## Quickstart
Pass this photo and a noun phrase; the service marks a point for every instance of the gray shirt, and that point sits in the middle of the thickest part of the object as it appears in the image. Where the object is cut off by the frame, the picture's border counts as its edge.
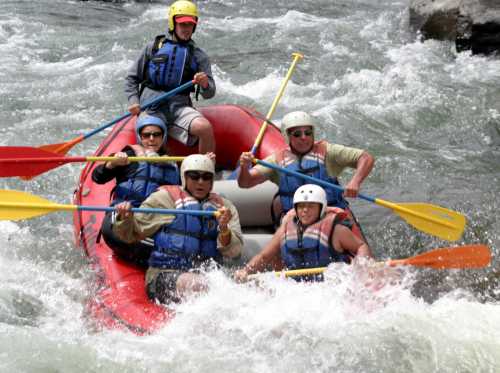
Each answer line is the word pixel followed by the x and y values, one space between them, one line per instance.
pixel 135 77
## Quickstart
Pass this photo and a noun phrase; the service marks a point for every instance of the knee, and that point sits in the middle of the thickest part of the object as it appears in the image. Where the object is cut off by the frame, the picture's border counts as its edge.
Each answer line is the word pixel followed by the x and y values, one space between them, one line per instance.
pixel 189 283
pixel 201 127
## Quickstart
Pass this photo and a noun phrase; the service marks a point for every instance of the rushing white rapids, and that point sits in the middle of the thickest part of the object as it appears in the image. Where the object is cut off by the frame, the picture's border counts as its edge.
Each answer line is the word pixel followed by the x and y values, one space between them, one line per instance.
pixel 431 118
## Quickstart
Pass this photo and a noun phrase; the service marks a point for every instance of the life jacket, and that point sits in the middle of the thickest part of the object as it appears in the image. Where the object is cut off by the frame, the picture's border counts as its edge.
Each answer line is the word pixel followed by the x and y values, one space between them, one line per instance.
pixel 311 164
pixel 188 239
pixel 311 248
pixel 171 64
pixel 145 179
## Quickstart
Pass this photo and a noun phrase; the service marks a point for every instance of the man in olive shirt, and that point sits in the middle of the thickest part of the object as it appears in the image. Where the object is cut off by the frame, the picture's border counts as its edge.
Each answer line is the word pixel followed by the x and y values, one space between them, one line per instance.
pixel 317 159
pixel 183 243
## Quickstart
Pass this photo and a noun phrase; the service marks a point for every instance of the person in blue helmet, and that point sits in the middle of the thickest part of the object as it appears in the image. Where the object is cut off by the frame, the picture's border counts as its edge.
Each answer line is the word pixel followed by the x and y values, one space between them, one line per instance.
pixel 166 63
pixel 136 181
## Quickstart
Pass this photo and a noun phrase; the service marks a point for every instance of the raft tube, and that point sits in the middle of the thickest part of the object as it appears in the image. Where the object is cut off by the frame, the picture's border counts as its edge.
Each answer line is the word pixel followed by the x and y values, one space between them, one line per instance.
pixel 120 300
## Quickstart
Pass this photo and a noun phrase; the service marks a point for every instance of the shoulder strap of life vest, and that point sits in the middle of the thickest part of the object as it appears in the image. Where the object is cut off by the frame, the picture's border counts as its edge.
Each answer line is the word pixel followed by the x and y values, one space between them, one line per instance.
pixel 340 215
pixel 281 154
pixel 320 147
pixel 138 150
pixel 157 44
pixel 176 192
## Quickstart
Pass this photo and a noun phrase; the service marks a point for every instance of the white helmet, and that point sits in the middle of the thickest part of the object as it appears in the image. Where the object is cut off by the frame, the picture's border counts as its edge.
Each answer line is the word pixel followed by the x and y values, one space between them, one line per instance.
pixel 196 162
pixel 311 193
pixel 295 119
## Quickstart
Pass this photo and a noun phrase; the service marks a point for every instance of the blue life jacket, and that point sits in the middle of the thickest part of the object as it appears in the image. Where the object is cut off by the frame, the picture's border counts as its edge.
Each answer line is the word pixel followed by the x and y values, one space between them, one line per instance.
pixel 145 179
pixel 311 247
pixel 170 65
pixel 311 164
pixel 188 240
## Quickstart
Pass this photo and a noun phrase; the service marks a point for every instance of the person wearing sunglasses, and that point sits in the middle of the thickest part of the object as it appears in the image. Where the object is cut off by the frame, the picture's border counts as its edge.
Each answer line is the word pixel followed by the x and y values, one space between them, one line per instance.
pixel 136 181
pixel 311 236
pixel 304 154
pixel 184 245
pixel 167 62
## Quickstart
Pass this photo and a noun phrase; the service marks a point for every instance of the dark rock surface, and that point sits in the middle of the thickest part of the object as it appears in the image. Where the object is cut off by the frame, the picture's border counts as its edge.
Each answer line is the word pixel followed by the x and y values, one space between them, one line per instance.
pixel 473 24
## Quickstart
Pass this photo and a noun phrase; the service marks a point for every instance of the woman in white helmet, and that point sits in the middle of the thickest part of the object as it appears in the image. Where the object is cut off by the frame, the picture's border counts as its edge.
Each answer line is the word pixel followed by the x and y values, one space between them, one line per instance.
pixel 166 63
pixel 318 159
pixel 311 236
pixel 183 243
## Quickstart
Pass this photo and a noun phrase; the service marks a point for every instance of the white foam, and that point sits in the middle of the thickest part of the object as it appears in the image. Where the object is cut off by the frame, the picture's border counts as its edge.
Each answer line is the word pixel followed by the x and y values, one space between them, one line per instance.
pixel 57 68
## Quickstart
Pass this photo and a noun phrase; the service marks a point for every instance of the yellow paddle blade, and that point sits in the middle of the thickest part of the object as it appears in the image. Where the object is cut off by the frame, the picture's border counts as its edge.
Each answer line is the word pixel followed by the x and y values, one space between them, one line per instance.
pixel 17 205
pixel 435 220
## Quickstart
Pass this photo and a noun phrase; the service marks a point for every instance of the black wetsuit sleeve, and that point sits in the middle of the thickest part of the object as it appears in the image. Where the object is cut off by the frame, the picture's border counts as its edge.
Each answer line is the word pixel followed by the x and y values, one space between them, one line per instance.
pixel 102 175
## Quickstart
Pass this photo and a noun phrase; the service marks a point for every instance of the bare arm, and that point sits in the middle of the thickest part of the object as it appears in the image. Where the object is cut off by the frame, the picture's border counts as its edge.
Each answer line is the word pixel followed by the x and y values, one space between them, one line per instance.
pixel 269 255
pixel 344 240
pixel 363 168
pixel 249 176
pixel 230 238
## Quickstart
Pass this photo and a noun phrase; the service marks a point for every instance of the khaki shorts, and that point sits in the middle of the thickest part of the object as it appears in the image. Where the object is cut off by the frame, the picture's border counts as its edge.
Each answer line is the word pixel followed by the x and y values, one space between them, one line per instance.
pixel 179 123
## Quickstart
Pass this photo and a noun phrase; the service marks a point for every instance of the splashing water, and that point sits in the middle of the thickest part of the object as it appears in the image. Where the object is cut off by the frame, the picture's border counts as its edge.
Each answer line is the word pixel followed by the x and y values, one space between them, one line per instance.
pixel 430 116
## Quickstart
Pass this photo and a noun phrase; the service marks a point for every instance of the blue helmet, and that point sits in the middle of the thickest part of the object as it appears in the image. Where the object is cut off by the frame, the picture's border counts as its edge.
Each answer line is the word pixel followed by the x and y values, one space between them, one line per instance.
pixel 149 120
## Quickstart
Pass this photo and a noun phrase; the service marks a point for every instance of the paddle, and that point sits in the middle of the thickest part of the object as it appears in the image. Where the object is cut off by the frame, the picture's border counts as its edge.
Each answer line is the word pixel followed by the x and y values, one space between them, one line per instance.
pixel 263 126
pixel 460 257
pixel 25 161
pixel 434 220
pixel 17 205
pixel 63 148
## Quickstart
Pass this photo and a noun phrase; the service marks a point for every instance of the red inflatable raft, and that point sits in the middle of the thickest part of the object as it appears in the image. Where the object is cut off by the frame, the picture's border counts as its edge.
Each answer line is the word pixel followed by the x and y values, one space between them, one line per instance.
pixel 120 300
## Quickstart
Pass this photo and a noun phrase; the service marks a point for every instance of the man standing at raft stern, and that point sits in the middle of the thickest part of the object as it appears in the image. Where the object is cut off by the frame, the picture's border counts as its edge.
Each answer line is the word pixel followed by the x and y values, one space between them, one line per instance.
pixel 319 159
pixel 166 63
pixel 183 243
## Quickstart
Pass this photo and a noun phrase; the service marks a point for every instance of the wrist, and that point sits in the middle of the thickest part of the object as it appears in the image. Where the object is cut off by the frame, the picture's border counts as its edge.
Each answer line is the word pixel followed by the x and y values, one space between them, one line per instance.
pixel 248 270
pixel 224 233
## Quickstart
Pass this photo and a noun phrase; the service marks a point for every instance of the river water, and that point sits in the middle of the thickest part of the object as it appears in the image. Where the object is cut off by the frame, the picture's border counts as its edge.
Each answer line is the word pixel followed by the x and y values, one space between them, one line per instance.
pixel 430 116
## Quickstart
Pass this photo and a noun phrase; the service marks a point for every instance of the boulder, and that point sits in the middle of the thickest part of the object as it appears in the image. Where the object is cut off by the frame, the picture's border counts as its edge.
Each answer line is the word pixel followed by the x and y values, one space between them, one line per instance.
pixel 472 24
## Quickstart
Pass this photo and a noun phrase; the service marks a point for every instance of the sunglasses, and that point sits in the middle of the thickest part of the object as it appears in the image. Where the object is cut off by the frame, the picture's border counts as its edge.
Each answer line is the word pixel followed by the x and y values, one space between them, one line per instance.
pixel 147 135
pixel 195 175
pixel 299 133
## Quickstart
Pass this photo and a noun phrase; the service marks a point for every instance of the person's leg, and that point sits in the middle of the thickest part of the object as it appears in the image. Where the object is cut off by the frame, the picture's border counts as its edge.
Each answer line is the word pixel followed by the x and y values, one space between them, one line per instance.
pixel 161 285
pixel 189 126
pixel 201 128
pixel 189 283
pixel 170 286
